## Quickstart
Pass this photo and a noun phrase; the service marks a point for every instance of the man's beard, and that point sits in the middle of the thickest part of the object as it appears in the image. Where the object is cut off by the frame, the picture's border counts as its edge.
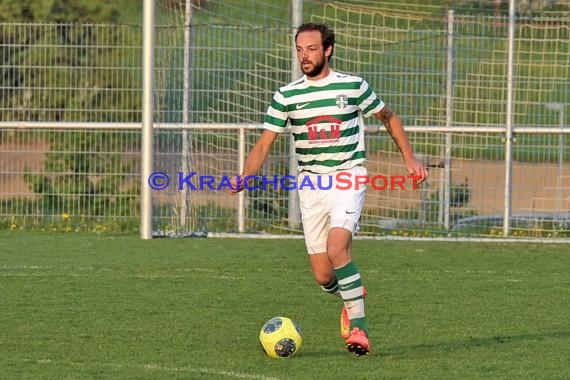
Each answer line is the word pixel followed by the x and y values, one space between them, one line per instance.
pixel 316 70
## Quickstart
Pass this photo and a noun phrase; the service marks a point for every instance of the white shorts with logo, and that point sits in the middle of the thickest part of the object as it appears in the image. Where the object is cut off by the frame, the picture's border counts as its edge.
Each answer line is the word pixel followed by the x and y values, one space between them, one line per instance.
pixel 323 208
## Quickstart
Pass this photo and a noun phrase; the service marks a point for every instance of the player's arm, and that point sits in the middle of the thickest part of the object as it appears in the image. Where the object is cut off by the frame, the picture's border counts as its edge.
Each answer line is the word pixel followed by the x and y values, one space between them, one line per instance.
pixel 255 159
pixel 395 129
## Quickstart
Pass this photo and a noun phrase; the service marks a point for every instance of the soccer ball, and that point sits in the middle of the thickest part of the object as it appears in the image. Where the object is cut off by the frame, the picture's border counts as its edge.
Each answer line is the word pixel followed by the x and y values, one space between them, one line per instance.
pixel 280 337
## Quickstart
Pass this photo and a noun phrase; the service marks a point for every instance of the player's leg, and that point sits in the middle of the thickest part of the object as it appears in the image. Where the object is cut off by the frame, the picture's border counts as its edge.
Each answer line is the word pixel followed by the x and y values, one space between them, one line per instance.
pixel 348 277
pixel 315 215
pixel 345 213
pixel 316 210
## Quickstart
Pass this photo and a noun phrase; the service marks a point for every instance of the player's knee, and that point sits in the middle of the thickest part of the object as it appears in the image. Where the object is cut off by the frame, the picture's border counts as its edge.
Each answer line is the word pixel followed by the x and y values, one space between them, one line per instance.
pixel 338 248
pixel 324 279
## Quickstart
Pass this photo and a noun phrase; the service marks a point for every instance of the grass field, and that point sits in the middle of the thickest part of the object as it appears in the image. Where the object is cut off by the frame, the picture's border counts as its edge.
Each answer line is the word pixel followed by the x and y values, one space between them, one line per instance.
pixel 95 306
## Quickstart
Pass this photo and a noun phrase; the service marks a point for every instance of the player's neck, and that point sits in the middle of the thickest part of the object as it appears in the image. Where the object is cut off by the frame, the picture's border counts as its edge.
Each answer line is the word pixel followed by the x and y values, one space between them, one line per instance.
pixel 323 74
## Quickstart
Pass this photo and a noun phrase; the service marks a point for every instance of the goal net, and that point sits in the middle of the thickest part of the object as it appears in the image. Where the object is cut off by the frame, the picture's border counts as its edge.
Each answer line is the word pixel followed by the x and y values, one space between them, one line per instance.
pixel 225 78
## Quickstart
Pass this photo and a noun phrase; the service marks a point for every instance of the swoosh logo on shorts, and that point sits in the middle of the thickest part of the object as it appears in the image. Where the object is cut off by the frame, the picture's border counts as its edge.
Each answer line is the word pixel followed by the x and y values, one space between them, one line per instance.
pixel 299 106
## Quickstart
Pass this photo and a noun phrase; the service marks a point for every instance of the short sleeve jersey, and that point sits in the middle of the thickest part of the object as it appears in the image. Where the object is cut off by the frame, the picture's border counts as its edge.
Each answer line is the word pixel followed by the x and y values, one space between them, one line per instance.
pixel 326 119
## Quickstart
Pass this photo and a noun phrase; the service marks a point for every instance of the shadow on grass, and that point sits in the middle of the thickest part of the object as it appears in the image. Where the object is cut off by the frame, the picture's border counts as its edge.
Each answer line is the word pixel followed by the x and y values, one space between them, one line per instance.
pixel 470 343
pixel 333 352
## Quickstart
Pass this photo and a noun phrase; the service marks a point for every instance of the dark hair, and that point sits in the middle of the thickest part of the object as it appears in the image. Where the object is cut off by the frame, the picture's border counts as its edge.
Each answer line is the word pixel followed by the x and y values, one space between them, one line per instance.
pixel 327 34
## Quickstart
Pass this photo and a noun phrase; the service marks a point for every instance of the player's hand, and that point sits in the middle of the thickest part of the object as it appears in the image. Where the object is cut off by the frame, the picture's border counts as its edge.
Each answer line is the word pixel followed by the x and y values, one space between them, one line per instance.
pixel 236 186
pixel 416 169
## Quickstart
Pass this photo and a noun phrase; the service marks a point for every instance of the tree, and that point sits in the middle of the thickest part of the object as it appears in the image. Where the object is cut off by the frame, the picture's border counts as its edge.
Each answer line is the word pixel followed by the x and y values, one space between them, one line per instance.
pixel 85 172
pixel 59 11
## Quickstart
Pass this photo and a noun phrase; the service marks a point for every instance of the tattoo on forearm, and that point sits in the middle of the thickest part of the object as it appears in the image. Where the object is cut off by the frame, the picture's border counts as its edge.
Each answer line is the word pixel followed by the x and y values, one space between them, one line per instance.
pixel 386 115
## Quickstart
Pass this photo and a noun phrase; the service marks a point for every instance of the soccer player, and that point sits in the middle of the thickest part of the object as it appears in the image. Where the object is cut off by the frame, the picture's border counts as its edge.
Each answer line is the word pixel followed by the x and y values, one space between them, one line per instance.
pixel 325 109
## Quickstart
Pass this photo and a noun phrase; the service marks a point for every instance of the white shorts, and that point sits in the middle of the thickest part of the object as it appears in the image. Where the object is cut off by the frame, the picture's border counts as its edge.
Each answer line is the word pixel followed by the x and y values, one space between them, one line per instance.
pixel 323 208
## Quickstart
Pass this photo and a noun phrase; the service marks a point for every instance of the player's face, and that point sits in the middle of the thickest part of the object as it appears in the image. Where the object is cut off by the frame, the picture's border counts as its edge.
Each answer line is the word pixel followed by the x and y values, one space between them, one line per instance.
pixel 312 57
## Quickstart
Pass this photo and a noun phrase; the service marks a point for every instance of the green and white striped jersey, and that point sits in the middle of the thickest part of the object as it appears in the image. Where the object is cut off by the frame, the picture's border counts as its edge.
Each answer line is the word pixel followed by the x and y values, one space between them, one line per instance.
pixel 326 120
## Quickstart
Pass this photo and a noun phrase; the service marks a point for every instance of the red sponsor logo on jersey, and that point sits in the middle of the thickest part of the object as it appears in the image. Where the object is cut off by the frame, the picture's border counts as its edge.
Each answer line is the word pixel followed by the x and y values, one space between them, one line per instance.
pixel 323 129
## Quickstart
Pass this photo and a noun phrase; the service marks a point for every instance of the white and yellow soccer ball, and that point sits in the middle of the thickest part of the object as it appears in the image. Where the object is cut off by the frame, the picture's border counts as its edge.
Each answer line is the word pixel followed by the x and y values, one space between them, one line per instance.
pixel 280 337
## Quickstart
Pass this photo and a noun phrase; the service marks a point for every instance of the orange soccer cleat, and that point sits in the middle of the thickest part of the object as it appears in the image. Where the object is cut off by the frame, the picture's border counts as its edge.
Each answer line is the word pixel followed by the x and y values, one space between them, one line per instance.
pixel 357 342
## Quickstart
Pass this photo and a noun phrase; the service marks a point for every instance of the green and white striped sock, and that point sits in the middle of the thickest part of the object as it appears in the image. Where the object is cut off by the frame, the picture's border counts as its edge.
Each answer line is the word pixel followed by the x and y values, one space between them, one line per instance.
pixel 332 287
pixel 352 294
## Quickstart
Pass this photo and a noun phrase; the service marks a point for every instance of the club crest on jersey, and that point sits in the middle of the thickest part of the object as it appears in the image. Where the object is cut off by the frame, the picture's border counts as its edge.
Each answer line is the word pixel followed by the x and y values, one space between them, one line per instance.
pixel 341 101
pixel 323 129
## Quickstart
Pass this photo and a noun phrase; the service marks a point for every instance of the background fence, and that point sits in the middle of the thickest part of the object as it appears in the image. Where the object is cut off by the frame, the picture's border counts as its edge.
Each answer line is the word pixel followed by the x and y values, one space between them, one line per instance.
pixel 70 116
